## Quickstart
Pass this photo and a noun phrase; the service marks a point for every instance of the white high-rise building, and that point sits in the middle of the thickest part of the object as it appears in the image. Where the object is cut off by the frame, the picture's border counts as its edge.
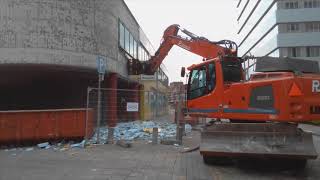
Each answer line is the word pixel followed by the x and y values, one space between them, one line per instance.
pixel 279 28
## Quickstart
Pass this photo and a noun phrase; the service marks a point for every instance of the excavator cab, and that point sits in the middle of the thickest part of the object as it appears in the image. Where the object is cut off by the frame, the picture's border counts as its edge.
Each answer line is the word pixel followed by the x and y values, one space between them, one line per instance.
pixel 198 82
pixel 203 77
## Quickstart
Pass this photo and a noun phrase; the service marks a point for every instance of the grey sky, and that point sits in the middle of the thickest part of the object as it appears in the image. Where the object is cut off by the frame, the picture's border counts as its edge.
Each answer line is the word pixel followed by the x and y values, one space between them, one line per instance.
pixel 213 19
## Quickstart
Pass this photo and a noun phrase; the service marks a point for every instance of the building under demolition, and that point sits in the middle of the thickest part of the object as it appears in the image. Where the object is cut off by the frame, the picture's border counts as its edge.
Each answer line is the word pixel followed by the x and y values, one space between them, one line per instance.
pixel 48 52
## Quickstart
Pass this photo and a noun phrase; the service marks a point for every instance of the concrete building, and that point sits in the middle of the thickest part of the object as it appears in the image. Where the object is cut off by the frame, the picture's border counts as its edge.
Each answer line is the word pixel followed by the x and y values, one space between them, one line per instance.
pixel 48 51
pixel 177 92
pixel 279 28
pixel 155 98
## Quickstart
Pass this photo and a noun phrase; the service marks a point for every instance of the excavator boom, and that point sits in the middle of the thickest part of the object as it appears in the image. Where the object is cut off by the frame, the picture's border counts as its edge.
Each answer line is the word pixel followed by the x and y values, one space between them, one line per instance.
pixel 192 43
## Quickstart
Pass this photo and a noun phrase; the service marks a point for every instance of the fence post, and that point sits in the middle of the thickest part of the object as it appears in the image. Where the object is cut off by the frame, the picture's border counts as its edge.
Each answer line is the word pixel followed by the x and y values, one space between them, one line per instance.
pixel 180 118
pixel 99 108
pixel 87 114
pixel 178 134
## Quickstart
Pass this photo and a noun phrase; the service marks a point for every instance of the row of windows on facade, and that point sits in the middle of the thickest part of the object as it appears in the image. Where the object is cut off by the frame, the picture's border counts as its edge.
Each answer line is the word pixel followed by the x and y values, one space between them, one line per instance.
pixel 151 98
pixel 136 50
pixel 296 4
pixel 313 51
pixel 130 45
pixel 299 27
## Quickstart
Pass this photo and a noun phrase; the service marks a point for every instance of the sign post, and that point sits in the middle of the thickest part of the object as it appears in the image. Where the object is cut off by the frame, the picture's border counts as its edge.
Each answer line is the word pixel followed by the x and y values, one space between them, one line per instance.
pixel 101 67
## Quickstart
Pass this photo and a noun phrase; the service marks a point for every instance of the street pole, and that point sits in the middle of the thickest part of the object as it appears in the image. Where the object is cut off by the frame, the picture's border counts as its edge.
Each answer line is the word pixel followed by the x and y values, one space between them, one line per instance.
pixel 87 113
pixel 157 89
pixel 101 68
pixel 99 108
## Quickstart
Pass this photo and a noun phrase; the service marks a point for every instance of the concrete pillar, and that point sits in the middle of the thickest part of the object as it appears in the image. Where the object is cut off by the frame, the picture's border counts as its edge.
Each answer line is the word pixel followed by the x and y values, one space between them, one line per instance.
pixel 112 103
pixel 141 104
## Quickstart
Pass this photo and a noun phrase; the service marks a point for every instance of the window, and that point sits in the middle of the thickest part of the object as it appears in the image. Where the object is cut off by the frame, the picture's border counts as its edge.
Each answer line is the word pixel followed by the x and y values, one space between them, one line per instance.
pixel 212 77
pixel 311 4
pixel 294 52
pixel 140 53
pixel 231 70
pixel 143 54
pixel 313 27
pixel 293 27
pixel 121 35
pixel 127 40
pixel 198 83
pixel 313 51
pixel 135 47
pixel 291 5
pixel 131 45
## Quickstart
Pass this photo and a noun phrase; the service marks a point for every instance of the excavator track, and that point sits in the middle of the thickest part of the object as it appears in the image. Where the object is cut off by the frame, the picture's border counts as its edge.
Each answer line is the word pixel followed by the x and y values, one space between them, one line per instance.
pixel 257 140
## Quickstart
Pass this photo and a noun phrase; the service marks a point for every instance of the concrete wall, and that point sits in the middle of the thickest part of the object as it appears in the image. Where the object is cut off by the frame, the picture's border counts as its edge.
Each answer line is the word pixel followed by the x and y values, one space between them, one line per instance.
pixel 68 32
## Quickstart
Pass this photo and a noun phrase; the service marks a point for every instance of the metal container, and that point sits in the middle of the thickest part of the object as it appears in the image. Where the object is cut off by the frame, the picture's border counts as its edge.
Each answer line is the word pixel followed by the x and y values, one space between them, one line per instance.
pixel 33 126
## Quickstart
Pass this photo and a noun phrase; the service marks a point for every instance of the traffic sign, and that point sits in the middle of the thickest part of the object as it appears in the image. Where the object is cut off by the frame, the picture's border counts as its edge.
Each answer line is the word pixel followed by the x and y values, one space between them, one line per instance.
pixel 101 64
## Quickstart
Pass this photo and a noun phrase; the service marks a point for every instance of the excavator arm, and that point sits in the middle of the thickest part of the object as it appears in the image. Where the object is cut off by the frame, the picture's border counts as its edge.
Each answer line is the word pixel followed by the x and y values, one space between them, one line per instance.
pixel 192 43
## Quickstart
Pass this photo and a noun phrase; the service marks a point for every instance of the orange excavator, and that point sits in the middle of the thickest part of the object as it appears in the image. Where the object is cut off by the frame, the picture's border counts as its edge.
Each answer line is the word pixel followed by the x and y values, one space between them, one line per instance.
pixel 263 112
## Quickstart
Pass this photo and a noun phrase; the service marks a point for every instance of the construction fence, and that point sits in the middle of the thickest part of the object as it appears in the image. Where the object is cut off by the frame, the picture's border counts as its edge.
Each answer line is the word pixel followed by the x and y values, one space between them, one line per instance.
pixel 112 106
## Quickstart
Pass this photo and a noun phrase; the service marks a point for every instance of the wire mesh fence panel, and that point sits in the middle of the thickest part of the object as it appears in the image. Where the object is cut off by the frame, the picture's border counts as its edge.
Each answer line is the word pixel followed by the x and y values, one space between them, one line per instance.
pixel 125 105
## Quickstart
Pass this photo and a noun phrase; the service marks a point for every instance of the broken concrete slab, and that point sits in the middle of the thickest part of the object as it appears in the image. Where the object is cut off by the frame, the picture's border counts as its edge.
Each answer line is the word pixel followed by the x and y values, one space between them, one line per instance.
pixel 170 141
pixel 124 143
pixel 45 145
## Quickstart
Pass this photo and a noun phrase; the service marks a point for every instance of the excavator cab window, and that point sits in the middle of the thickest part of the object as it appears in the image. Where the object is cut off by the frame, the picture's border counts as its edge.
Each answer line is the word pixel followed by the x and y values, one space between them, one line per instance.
pixel 232 70
pixel 211 77
pixel 201 81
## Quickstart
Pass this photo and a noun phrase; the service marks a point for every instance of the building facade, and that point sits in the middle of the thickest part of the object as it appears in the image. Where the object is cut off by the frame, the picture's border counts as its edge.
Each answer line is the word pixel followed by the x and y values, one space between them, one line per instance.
pixel 278 28
pixel 49 51
pixel 177 92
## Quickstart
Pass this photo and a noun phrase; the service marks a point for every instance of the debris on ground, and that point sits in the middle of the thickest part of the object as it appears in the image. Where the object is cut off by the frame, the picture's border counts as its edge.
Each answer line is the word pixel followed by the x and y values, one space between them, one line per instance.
pixel 187 150
pixel 169 141
pixel 78 145
pixel 139 130
pixel 63 149
pixel 29 149
pixel 148 130
pixel 123 134
pixel 45 145
pixel 124 144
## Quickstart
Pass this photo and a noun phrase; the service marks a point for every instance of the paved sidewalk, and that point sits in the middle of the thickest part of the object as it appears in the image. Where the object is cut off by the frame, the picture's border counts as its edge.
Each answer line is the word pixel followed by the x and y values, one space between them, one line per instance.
pixel 141 162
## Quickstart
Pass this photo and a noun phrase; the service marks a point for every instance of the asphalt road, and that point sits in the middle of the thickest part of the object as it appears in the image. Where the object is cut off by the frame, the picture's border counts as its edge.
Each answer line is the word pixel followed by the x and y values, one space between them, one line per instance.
pixel 141 161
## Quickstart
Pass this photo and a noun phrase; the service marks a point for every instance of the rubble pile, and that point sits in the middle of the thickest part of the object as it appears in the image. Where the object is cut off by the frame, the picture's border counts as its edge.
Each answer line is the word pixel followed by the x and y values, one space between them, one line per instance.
pixel 139 130
pixel 129 131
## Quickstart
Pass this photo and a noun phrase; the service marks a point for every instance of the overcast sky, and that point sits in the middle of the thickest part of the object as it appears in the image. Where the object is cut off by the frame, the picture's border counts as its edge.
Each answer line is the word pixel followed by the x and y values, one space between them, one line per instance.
pixel 213 19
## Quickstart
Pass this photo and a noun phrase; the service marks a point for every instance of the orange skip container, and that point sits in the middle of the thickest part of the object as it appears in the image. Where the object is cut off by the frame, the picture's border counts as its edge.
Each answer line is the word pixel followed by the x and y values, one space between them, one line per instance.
pixel 33 126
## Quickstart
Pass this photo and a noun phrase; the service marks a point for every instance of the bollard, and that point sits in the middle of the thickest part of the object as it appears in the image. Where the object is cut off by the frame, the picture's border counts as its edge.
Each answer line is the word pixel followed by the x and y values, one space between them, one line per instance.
pixel 155 136
pixel 180 134
pixel 177 133
pixel 110 135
